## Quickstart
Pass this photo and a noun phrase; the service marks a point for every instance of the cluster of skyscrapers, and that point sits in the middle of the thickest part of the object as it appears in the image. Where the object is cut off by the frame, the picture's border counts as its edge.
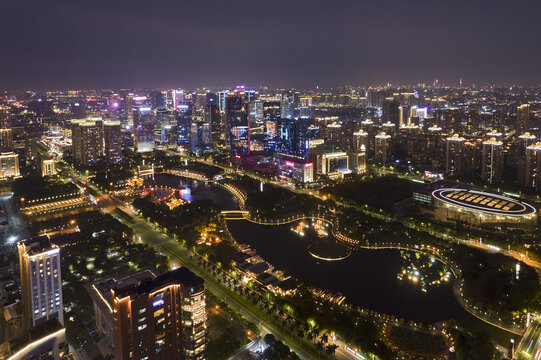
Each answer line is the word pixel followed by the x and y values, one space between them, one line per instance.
pixel 466 134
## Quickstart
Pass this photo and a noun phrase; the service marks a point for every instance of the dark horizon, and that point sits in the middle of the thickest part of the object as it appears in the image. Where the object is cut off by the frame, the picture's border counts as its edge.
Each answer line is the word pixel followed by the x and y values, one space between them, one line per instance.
pixel 302 44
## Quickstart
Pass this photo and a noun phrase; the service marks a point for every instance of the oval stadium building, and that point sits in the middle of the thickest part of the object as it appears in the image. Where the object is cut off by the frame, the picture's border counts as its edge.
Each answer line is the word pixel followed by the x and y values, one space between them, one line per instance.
pixel 482 209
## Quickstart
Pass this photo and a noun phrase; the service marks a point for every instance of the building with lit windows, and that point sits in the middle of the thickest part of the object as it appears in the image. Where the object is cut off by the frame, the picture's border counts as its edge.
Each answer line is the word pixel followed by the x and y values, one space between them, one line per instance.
pixel 41 281
pixel 160 318
pixel 523 119
pixel 6 140
pixel 454 155
pixel 48 168
pixel 183 114
pixel 294 167
pixel 112 139
pixel 9 165
pixel 238 123
pixel 333 164
pixel 383 153
pixel 492 163
pixel 143 129
pixel 532 177
pixel 86 141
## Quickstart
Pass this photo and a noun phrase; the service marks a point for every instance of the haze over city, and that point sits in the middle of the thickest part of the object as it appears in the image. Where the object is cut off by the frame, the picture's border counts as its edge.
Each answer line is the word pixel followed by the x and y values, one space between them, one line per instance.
pixel 302 44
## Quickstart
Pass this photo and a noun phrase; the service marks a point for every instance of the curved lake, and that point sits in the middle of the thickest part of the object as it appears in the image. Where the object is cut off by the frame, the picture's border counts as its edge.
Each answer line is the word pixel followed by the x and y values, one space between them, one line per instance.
pixel 368 278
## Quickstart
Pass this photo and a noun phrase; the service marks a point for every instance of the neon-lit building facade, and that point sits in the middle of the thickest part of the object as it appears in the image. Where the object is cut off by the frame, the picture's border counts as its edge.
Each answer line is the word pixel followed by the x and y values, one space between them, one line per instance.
pixel 143 129
pixel 238 123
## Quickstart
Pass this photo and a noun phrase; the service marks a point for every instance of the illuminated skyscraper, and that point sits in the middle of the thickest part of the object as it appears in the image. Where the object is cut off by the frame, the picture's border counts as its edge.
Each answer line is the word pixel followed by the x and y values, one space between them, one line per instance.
pixel 287 104
pixel 492 163
pixel 523 119
pixel 294 136
pixel 160 318
pixel 41 281
pixel 222 95
pixel 113 142
pixel 391 111
pixel 86 141
pixel 271 115
pixel 532 177
pixel 454 155
pixel 200 135
pixel 360 138
pixel 183 115
pixel 143 129
pixel 215 120
pixel 383 151
pixel 238 123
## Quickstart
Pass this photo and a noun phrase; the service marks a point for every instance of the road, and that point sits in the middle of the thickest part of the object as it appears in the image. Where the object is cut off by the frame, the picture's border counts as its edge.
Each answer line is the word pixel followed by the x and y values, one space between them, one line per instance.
pixel 180 256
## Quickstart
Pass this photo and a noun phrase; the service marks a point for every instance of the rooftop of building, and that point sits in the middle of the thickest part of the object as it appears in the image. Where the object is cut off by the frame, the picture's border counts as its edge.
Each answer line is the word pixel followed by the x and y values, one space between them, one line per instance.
pixel 100 290
pixel 36 333
pixel 38 245
pixel 182 276
pixel 483 202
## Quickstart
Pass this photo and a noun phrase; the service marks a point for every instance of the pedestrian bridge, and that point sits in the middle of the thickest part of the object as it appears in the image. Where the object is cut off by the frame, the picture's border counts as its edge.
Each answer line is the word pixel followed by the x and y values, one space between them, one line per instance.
pixel 235 214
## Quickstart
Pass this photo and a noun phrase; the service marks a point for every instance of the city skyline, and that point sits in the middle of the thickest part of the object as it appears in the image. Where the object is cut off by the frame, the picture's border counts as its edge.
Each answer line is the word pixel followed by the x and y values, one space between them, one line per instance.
pixel 300 44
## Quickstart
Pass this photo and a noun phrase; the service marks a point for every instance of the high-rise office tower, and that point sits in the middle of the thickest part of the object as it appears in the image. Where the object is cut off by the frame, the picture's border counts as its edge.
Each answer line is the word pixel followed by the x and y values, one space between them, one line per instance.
pixel 162 318
pixel 404 115
pixel 294 136
pixel 532 178
pixel 523 119
pixel 287 104
pixel 271 116
pixel 492 164
pixel 238 123
pixel 222 95
pixel 177 97
pixel 454 155
pixel 184 119
pixel 41 281
pixel 391 111
pixel 143 129
pixel 86 141
pixel 113 142
pixel 383 150
pixel 200 135
pixel 6 140
pixel 215 119
pixel 164 124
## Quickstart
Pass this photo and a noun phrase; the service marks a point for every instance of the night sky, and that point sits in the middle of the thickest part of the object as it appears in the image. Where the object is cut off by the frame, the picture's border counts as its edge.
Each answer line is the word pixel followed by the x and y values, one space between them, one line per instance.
pixel 82 44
